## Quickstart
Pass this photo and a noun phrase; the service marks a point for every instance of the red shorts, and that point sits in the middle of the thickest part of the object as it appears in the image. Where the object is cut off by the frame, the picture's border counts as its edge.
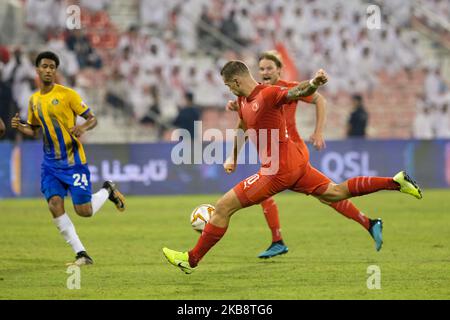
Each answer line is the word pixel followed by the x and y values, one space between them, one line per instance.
pixel 258 187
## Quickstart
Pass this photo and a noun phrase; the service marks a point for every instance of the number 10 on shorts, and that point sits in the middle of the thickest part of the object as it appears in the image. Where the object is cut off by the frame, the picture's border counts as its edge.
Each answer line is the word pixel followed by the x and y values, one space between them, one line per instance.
pixel 80 179
pixel 250 180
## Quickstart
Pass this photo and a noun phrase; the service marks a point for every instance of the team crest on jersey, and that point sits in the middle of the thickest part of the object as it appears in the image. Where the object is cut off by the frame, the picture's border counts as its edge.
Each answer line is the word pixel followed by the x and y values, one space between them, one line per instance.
pixel 55 102
pixel 255 106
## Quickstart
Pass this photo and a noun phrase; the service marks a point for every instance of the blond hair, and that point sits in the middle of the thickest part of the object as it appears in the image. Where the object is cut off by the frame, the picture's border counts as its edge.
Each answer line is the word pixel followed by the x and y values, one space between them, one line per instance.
pixel 272 55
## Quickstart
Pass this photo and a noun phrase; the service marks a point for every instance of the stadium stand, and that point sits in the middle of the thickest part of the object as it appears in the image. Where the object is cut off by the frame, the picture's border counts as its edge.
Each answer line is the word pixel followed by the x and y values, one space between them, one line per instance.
pixel 141 47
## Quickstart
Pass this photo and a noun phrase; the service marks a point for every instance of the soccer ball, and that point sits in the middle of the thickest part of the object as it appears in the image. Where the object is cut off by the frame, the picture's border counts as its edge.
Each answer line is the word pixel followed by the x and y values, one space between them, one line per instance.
pixel 200 216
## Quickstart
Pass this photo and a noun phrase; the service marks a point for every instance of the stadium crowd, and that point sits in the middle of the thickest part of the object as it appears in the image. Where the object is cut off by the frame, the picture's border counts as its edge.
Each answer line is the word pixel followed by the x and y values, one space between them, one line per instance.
pixel 172 55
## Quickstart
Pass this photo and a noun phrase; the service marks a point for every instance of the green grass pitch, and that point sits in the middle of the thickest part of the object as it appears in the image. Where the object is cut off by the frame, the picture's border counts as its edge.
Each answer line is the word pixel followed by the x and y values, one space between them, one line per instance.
pixel 328 259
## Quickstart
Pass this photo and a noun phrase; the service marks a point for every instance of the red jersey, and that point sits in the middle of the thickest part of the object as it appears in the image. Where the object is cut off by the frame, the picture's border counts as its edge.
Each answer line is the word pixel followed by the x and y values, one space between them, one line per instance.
pixel 263 109
pixel 290 109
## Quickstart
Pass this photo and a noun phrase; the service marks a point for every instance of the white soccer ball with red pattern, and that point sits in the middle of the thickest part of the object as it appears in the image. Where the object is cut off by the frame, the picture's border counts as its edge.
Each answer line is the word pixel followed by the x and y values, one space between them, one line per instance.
pixel 200 216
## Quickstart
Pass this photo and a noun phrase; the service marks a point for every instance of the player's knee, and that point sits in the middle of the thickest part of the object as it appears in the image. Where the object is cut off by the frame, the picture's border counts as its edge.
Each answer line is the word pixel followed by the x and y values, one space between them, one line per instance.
pixel 56 204
pixel 85 211
pixel 334 192
pixel 342 192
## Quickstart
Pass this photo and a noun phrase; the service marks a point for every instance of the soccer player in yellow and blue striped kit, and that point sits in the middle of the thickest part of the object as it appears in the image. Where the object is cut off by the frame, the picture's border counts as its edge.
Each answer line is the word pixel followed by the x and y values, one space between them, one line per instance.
pixel 54 109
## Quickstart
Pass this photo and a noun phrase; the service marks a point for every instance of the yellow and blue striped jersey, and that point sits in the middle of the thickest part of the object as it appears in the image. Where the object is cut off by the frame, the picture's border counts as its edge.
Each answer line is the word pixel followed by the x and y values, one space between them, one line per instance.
pixel 56 112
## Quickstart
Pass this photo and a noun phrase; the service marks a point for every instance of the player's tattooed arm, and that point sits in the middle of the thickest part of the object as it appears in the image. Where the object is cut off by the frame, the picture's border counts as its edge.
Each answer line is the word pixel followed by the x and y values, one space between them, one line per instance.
pixel 303 89
pixel 91 122
pixel 307 87
pixel 25 128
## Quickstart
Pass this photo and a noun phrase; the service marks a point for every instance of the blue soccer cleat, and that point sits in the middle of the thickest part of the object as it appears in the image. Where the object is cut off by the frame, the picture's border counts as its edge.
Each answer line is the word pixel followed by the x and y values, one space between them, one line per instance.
pixel 375 231
pixel 275 249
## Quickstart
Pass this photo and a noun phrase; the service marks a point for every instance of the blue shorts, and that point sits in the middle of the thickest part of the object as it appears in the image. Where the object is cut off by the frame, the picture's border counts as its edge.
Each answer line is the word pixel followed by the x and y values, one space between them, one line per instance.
pixel 57 181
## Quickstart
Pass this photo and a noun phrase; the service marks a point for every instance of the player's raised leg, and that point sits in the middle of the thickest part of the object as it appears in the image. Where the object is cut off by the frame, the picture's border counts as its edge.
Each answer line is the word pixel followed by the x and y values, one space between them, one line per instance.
pixel 213 232
pixel 360 186
pixel 277 246
pixel 336 195
pixel 86 204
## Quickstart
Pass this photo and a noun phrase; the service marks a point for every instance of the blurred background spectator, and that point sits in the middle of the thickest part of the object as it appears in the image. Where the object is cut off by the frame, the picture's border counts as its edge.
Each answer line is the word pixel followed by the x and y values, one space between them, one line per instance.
pixel 8 107
pixel 357 122
pixel 188 114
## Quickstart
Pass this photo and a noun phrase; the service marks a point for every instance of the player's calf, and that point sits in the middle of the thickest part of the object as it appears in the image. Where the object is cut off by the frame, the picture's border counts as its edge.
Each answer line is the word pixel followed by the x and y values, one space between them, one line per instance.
pixel 225 207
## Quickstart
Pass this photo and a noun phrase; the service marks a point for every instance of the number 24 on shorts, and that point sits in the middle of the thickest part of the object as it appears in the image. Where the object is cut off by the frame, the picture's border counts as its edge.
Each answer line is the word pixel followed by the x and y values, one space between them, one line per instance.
pixel 80 179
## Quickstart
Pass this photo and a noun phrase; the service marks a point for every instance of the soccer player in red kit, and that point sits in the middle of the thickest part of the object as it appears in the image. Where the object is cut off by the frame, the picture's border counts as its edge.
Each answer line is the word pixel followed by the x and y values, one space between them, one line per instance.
pixel 284 164
pixel 270 66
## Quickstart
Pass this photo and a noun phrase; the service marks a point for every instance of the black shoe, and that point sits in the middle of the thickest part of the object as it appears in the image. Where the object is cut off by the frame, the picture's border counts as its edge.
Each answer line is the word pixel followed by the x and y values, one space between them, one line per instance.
pixel 82 258
pixel 114 195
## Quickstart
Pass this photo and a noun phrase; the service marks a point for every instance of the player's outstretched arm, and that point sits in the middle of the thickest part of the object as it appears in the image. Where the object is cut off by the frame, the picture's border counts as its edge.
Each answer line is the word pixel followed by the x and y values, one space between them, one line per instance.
pixel 307 88
pixel 24 128
pixel 238 142
pixel 316 138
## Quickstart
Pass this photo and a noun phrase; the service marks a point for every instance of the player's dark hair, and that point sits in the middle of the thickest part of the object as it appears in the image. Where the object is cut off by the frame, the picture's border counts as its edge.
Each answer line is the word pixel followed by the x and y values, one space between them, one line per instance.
pixel 233 68
pixel 273 56
pixel 47 55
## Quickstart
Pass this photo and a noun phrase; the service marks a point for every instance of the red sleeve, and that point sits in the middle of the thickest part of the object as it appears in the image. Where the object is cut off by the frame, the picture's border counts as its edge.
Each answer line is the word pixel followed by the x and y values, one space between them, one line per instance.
pixel 276 96
pixel 308 99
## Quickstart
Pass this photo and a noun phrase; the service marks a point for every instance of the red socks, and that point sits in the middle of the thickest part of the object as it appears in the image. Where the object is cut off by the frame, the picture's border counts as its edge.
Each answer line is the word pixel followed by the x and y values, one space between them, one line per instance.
pixel 348 209
pixel 359 186
pixel 210 236
pixel 271 213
